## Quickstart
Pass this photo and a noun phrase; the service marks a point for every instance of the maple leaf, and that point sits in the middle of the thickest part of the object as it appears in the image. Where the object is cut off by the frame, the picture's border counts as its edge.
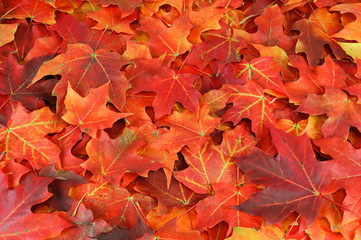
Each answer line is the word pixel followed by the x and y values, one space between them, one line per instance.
pixel 113 157
pixel 331 74
pixel 223 45
pixel 316 32
pixel 330 217
pixel 24 138
pixel 14 84
pixel 184 217
pixel 126 6
pixel 36 10
pixel 265 232
pixel 295 180
pixel 209 166
pixel 111 18
pixel 7 32
pixel 351 30
pixel 270 30
pixel 343 111
pixel 90 113
pixel 66 140
pixel 216 100
pixel 186 128
pixel 84 223
pixel 93 70
pixel 113 204
pixel 259 71
pixel 171 87
pixel 250 102
pixel 176 195
pixel 307 83
pixel 218 207
pixel 170 231
pixel 70 29
pixel 31 41
pixel 136 232
pixel 207 83
pixel 289 126
pixel 17 220
pixel 346 173
pixel 238 141
pixel 14 171
pixel 163 40
pixel 213 164
pixel 205 19
pixel 137 105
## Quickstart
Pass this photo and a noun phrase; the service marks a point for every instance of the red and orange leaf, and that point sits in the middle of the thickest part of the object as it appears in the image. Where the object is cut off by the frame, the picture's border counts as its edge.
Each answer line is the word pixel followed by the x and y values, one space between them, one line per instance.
pixel 223 45
pixel 265 232
pixel 350 31
pixel 70 29
pixel 7 32
pixel 289 126
pixel 216 100
pixel 295 180
pixel 171 231
pixel 207 167
pixel 24 138
pixel 203 20
pixel 186 129
pixel 137 105
pixel 66 140
pixel 270 31
pixel 14 84
pixel 16 219
pixel 14 171
pixel 169 40
pixel 126 6
pixel 135 232
pixel 250 102
pixel 112 158
pixel 330 219
pixel 37 226
pixel 218 207
pixel 213 164
pixel 17 202
pixel 85 226
pixel 185 218
pixel 110 18
pixel 93 70
pixel 113 204
pixel 307 83
pixel 342 110
pixel 176 195
pixel 36 10
pixel 316 32
pixel 238 142
pixel 172 87
pixel 259 71
pixel 90 114
pixel 346 173
pixel 330 74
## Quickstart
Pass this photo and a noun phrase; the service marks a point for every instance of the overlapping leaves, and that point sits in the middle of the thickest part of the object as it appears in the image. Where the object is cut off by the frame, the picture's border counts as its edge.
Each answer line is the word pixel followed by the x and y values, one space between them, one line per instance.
pixel 185 119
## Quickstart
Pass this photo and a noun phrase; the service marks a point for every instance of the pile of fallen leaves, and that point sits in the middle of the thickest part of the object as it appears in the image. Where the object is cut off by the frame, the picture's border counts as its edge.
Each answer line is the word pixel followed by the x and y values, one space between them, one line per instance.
pixel 181 119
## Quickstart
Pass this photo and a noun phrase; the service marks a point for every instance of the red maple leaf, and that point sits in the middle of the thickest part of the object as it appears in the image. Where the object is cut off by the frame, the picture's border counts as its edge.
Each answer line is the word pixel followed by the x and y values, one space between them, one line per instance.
pixel 295 180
